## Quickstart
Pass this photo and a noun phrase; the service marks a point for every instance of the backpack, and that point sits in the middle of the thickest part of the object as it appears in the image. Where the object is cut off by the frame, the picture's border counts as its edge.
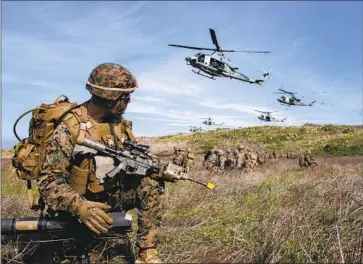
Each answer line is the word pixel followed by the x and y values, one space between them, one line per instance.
pixel 27 158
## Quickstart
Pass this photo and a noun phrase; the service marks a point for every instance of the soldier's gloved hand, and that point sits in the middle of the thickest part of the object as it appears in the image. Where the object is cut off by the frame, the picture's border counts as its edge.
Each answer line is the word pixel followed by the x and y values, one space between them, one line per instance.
pixel 92 214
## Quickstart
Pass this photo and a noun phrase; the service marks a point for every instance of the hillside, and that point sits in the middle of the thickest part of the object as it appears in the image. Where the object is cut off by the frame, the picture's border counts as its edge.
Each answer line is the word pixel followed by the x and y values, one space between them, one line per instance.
pixel 322 140
pixel 277 213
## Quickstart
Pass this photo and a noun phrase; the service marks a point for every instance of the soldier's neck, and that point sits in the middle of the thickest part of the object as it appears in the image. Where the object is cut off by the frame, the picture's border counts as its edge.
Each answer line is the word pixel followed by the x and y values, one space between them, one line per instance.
pixel 96 112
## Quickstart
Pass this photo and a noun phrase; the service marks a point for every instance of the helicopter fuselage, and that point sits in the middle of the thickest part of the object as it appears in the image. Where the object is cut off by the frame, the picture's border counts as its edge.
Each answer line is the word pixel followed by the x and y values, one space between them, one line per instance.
pixel 216 66
pixel 294 101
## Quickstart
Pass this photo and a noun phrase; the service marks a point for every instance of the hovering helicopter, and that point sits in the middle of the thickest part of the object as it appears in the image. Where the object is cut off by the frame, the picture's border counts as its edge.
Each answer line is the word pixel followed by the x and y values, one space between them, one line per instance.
pixel 291 100
pixel 195 129
pixel 268 118
pixel 217 65
pixel 209 122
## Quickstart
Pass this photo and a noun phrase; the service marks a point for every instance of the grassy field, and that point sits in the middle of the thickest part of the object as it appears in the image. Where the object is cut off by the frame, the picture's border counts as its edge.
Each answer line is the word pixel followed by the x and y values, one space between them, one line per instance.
pixel 277 213
pixel 325 140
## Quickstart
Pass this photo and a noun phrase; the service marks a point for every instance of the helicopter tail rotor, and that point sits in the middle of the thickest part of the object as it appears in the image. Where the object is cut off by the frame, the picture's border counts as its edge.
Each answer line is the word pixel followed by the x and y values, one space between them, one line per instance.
pixel 266 74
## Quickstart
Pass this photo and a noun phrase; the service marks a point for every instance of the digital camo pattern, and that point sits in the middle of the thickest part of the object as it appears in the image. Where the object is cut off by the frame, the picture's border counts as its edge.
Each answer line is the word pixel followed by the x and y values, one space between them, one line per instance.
pixel 149 197
pixel 145 194
pixel 111 75
pixel 52 184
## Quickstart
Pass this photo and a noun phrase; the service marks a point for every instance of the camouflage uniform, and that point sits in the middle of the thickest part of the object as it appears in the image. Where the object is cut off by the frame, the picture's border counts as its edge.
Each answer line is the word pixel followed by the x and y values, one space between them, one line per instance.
pixel 261 158
pixel 188 159
pixel 221 161
pixel 178 156
pixel 230 160
pixel 239 156
pixel 211 160
pixel 209 152
pixel 306 160
pixel 68 180
pixel 292 154
pixel 250 160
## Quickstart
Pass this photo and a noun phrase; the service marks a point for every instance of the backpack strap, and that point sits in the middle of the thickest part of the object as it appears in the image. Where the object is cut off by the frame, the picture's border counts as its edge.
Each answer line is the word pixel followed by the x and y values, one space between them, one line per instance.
pixel 78 122
pixel 128 129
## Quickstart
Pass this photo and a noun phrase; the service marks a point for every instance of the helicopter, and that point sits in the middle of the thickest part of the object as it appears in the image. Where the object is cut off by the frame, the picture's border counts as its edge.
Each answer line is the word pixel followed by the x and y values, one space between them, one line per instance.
pixel 195 129
pixel 209 122
pixel 268 117
pixel 291 100
pixel 217 65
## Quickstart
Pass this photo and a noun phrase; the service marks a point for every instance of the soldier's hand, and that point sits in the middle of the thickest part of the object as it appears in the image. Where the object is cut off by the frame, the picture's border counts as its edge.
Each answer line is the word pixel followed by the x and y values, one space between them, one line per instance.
pixel 169 176
pixel 92 214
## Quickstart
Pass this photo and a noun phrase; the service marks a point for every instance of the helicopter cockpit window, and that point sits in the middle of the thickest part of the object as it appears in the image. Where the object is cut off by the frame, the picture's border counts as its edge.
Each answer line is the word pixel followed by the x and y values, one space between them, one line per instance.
pixel 201 58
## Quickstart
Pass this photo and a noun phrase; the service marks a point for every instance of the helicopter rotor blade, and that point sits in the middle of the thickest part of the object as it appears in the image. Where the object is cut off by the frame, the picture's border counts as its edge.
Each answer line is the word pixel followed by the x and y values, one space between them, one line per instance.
pixel 287 91
pixel 189 47
pixel 247 51
pixel 214 39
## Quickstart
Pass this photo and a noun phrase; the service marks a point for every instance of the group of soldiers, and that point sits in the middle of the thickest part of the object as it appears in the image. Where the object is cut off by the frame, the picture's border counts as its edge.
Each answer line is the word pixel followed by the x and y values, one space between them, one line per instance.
pixel 246 158
pixel 243 157
pixel 240 158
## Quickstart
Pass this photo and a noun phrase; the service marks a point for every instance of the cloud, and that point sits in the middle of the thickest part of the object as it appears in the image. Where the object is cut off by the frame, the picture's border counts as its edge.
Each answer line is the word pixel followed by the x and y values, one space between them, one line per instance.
pixel 147 98
pixel 49 48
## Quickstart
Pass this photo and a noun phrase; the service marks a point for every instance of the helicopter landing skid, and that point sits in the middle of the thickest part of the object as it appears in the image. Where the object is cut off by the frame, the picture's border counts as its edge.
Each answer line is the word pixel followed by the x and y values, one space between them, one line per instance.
pixel 198 72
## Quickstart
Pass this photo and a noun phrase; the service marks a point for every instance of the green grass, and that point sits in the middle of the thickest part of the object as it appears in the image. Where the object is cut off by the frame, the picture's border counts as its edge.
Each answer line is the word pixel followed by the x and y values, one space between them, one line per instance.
pixel 276 214
pixel 329 140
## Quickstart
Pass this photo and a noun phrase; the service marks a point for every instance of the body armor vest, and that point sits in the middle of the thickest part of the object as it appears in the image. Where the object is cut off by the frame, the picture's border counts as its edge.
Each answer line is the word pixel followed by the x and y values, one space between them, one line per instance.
pixel 82 173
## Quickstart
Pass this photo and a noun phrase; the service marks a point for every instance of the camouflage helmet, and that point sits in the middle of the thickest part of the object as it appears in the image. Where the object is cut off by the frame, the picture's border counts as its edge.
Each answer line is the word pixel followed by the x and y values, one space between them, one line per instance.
pixel 228 151
pixel 239 146
pixel 220 152
pixel 110 80
pixel 189 150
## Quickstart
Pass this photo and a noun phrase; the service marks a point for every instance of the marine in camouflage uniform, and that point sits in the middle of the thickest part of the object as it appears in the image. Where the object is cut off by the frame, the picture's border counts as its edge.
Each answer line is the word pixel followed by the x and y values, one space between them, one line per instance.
pixel 250 160
pixel 221 161
pixel 306 160
pixel 208 153
pixel 178 156
pixel 230 160
pixel 188 159
pixel 292 154
pixel 212 160
pixel 239 156
pixel 68 180
pixel 261 158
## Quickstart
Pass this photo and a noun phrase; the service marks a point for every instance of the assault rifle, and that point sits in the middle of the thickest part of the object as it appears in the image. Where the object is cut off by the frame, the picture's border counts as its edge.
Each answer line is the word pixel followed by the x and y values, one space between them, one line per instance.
pixel 133 158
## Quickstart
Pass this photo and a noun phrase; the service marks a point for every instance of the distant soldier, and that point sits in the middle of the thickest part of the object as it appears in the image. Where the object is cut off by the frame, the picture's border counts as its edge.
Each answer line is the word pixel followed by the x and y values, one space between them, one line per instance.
pixel 292 154
pixel 230 159
pixel 260 157
pixel 221 160
pixel 250 160
pixel 239 159
pixel 188 159
pixel 211 160
pixel 306 160
pixel 209 152
pixel 239 156
pixel 179 156
pixel 274 153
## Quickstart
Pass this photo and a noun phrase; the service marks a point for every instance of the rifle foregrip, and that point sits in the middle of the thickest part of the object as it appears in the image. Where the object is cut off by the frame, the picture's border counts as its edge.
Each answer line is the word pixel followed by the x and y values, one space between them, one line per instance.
pixel 112 173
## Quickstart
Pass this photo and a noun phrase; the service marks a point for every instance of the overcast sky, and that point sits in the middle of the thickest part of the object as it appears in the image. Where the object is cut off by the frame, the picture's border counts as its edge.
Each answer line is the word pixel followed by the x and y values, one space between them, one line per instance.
pixel 50 48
